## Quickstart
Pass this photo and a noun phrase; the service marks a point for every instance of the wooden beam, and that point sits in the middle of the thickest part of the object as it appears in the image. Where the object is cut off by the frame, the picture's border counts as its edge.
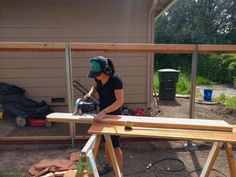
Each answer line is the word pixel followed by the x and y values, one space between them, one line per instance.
pixel 90 144
pixel 33 46
pixel 151 48
pixel 163 133
pixel 116 47
pixel 230 158
pixel 211 159
pixel 112 155
pixel 141 121
pixel 32 138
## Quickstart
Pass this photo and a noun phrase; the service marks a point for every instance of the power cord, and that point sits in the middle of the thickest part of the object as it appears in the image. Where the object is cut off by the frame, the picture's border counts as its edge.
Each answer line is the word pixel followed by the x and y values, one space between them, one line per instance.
pixel 169 170
pixel 190 172
pixel 150 165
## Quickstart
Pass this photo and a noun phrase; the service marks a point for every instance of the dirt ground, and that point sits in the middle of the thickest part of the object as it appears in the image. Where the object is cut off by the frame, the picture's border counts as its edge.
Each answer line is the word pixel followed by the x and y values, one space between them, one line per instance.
pixel 168 158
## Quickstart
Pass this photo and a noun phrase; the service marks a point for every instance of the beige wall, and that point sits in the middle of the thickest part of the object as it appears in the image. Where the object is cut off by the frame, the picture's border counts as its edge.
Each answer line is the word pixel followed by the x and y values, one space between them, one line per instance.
pixel 43 75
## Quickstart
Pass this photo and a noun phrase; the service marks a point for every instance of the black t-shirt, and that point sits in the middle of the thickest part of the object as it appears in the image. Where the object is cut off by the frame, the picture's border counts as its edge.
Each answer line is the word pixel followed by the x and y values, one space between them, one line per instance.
pixel 106 92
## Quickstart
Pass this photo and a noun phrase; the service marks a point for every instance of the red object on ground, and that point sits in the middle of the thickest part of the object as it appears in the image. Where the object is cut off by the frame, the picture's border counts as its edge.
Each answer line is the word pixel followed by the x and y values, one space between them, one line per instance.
pixel 36 122
pixel 139 112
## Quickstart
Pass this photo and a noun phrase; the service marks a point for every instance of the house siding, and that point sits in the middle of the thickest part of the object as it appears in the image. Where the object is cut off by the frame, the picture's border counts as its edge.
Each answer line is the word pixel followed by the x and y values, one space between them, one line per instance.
pixel 43 74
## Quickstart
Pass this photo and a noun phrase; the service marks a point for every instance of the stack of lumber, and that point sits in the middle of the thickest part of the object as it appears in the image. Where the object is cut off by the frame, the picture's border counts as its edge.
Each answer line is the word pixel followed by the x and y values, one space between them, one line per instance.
pixel 56 167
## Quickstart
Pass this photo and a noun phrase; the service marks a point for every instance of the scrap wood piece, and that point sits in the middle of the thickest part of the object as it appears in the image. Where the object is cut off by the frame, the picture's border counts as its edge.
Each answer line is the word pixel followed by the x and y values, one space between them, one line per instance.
pixel 75 156
pixel 44 164
pixel 42 172
pixel 70 173
pixel 55 169
pixel 33 171
pixel 49 175
pixel 63 163
pixel 141 121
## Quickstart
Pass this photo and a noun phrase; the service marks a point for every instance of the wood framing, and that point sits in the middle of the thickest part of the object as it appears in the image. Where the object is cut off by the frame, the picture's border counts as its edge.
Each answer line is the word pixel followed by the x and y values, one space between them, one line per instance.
pixel 219 138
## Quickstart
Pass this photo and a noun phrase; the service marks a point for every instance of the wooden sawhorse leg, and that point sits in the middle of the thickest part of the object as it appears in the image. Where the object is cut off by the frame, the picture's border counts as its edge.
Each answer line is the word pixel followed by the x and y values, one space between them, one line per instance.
pixel 212 158
pixel 230 157
pixel 87 157
pixel 112 156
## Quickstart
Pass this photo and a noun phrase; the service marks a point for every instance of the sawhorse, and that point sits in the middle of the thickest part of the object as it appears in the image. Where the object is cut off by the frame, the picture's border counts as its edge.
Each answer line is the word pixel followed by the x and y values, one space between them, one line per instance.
pixel 219 139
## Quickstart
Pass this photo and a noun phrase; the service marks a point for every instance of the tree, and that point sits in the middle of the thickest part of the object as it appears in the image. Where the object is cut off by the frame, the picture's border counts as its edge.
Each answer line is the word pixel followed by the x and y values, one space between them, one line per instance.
pixel 198 21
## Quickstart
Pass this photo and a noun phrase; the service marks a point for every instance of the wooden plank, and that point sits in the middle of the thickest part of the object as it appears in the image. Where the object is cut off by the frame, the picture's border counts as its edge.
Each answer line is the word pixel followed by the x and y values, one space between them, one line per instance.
pixel 162 133
pixel 234 128
pixel 90 145
pixel 32 46
pixel 230 158
pixel 32 138
pixel 96 148
pixel 140 121
pixel 116 47
pixel 151 48
pixel 211 159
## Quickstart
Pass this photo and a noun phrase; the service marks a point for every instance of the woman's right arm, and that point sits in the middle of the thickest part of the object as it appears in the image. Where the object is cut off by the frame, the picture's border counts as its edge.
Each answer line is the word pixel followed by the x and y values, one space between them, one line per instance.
pixel 93 89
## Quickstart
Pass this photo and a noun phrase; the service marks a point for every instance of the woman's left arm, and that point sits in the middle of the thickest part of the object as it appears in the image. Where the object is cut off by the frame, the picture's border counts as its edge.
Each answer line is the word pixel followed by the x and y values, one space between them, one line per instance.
pixel 119 94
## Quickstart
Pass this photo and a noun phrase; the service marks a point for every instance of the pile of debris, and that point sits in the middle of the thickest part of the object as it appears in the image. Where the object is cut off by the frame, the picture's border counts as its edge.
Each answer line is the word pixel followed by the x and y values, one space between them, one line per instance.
pixel 56 167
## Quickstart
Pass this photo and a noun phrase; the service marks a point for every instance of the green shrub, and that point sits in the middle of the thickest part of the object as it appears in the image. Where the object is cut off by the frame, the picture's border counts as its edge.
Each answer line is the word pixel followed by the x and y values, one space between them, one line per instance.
pixel 214 67
pixel 202 80
pixel 222 98
pixel 234 82
pixel 231 102
pixel 156 82
pixel 183 85
pixel 217 67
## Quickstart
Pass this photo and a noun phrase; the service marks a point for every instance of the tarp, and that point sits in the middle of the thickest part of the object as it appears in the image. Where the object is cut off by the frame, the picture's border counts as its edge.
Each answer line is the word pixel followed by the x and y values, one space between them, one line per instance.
pixel 15 104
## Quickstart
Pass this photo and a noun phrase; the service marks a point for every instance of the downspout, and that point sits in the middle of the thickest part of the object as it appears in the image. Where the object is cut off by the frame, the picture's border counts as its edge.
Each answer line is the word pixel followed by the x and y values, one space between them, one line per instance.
pixel 150 57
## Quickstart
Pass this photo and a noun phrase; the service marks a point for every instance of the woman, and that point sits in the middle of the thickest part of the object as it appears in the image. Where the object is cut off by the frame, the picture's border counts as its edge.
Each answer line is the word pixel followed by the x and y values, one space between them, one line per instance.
pixel 111 97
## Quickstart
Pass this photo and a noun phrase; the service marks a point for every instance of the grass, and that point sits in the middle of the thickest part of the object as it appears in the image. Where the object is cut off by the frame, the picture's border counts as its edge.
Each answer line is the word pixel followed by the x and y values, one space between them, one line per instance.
pixel 11 173
pixel 230 102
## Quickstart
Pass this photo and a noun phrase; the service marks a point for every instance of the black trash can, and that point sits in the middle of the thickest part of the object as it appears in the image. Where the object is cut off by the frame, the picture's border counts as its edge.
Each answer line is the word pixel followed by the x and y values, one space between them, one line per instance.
pixel 167 83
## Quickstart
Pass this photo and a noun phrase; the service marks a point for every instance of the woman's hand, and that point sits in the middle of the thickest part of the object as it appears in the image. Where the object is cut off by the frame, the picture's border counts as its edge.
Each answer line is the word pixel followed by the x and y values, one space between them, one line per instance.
pixel 100 115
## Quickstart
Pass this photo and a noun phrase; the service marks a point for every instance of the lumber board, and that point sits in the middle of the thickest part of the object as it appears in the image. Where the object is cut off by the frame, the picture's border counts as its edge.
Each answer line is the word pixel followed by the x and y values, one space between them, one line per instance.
pixel 211 160
pixel 116 47
pixel 112 155
pixel 163 133
pixel 152 48
pixel 141 121
pixel 32 46
pixel 90 145
pixel 230 158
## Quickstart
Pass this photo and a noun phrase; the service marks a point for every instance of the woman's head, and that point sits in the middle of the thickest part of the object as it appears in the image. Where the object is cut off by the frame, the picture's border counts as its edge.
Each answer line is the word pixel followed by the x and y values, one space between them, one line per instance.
pixel 100 65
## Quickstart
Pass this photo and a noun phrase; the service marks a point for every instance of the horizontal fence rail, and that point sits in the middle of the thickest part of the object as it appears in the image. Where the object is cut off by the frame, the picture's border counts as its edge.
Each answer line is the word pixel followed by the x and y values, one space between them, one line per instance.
pixel 117 47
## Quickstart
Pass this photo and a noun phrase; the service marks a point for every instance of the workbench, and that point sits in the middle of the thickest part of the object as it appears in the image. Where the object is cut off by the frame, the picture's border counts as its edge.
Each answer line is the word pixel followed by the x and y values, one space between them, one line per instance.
pixel 216 131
